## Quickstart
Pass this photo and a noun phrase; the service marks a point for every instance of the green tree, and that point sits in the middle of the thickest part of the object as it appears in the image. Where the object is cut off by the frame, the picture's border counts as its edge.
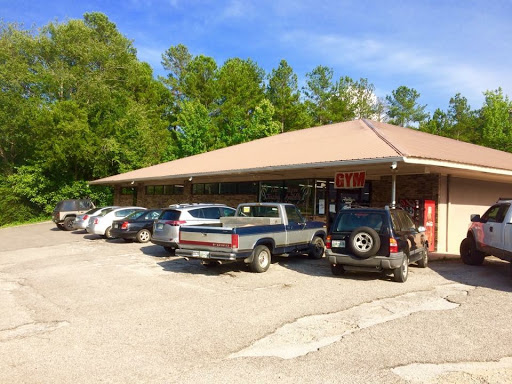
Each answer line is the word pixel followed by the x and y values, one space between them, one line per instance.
pixel 403 107
pixel 318 91
pixel 87 108
pixel 438 124
pixel 283 92
pixel 196 131
pixel 497 122
pixel 463 121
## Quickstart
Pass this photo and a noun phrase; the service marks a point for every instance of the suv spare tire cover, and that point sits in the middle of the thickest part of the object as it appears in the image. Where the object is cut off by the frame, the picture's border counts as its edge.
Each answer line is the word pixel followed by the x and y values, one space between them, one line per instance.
pixel 364 242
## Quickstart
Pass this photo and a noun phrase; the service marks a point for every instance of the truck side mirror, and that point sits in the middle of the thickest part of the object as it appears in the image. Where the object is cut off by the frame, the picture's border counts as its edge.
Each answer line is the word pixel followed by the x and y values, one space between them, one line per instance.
pixel 475 218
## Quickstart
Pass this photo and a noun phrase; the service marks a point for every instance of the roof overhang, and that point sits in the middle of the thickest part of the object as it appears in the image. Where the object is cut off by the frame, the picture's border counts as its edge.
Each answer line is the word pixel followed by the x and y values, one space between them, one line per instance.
pixel 375 168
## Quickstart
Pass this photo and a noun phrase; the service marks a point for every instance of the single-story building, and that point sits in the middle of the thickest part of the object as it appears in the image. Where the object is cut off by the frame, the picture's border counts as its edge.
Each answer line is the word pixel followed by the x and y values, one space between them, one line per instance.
pixel 440 181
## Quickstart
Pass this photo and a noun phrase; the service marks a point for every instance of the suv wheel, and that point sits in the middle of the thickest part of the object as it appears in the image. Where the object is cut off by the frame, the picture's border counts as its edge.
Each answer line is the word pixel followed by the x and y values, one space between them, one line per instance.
pixel 401 273
pixel 364 242
pixel 317 248
pixel 68 223
pixel 423 262
pixel 469 254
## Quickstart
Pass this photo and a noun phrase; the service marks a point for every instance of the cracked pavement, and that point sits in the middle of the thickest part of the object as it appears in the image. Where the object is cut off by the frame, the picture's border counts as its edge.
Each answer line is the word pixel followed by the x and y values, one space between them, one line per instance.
pixel 77 308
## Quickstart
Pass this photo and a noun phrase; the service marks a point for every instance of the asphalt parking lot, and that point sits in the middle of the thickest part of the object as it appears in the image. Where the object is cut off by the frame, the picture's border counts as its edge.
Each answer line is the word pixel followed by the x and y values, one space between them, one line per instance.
pixel 78 308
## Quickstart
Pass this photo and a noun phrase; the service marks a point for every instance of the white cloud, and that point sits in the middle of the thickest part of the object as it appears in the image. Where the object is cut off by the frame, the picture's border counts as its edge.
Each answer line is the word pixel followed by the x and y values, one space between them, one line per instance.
pixel 446 73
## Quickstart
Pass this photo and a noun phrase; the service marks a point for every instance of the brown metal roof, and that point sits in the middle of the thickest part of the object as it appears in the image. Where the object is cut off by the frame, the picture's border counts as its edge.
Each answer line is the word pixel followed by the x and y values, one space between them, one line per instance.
pixel 353 141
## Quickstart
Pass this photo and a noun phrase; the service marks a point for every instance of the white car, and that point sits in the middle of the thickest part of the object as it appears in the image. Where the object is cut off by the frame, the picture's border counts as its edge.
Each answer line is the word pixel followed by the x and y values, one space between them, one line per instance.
pixel 82 220
pixel 102 224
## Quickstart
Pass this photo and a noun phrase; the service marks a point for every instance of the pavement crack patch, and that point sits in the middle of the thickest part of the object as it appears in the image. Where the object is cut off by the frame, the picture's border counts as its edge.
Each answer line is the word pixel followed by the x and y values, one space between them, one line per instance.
pixel 29 330
pixel 311 333
pixel 486 372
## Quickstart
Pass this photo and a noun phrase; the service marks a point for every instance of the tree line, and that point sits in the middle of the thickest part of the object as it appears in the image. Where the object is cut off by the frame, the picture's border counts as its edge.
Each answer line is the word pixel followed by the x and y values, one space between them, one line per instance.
pixel 76 105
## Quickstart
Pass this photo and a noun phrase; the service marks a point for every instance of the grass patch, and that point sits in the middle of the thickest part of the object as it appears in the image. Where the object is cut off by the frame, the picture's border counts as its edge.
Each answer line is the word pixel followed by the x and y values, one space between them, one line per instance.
pixel 34 220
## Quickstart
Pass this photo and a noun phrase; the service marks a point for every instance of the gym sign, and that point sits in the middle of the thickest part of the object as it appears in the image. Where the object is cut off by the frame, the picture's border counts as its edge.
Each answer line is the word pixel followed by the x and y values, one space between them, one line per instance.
pixel 349 180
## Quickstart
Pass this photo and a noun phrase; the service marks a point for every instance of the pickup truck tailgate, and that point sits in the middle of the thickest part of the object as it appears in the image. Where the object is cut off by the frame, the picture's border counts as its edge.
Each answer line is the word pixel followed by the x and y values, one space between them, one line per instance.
pixel 207 238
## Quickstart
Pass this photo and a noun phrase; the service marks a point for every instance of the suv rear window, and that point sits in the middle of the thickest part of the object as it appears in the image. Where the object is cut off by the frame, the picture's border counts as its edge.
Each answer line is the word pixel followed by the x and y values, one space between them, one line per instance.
pixel 350 220
pixel 65 206
pixel 170 215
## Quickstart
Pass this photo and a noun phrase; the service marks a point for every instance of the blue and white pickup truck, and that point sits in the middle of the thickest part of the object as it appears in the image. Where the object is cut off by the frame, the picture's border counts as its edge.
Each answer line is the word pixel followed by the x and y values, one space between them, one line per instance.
pixel 253 235
pixel 489 234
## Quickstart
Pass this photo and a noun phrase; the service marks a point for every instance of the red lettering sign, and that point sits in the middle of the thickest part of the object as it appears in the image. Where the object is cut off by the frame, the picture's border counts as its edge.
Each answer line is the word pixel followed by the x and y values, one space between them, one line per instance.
pixel 349 180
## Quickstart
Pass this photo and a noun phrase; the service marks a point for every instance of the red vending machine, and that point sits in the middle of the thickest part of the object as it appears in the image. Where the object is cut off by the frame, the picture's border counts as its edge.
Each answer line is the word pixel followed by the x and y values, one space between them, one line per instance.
pixel 423 213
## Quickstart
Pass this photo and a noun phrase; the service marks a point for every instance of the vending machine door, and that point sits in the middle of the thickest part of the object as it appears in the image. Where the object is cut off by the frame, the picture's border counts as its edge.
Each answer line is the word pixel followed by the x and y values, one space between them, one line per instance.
pixel 429 217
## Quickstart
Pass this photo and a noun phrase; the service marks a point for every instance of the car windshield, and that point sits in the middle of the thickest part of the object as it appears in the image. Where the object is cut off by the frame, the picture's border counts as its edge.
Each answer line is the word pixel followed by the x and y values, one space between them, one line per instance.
pixel 348 221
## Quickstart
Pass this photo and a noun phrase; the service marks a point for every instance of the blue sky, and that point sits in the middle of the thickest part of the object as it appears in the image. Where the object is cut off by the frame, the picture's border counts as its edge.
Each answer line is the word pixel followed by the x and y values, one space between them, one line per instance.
pixel 438 47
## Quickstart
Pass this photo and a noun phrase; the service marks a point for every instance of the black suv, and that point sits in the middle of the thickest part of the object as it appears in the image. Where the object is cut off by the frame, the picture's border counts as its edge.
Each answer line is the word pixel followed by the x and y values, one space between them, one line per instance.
pixel 376 239
pixel 66 211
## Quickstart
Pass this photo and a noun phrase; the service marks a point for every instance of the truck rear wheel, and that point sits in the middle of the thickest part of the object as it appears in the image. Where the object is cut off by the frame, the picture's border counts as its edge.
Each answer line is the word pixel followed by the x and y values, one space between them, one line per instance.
pixel 469 254
pixel 317 248
pixel 260 259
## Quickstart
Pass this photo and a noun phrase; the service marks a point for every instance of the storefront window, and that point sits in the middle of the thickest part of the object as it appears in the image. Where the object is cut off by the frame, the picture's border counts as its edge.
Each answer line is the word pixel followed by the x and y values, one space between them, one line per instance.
pixel 298 192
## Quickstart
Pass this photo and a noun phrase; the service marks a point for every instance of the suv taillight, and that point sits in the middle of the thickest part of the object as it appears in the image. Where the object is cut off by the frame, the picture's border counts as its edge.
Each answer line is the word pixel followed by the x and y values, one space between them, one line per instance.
pixel 124 225
pixel 175 223
pixel 328 242
pixel 234 240
pixel 393 245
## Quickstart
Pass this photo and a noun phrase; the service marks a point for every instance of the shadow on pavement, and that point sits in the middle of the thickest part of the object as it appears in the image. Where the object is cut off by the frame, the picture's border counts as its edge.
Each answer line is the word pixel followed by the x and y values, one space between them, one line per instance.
pixel 493 273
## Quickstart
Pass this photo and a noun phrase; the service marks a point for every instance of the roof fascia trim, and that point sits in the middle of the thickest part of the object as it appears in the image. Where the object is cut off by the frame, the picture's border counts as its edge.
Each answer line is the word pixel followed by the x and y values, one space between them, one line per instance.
pixel 447 164
pixel 330 164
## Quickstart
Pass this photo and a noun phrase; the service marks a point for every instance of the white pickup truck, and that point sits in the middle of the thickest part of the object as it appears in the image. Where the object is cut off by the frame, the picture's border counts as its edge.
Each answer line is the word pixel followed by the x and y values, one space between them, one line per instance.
pixel 256 233
pixel 489 234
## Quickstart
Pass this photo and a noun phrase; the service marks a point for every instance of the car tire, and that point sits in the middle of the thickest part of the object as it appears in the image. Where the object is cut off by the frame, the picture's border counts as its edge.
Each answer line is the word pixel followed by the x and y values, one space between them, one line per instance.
pixel 364 242
pixel 108 233
pixel 423 262
pixel 317 248
pixel 170 250
pixel 143 236
pixel 261 257
pixel 60 226
pixel 469 254
pixel 402 272
pixel 68 223
pixel 337 270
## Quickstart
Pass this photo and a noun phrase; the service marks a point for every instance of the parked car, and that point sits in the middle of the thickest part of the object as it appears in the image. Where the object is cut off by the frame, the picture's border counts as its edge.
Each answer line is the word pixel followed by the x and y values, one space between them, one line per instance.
pixel 82 220
pixel 374 239
pixel 66 211
pixel 102 224
pixel 136 226
pixel 490 234
pixel 257 232
pixel 166 230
